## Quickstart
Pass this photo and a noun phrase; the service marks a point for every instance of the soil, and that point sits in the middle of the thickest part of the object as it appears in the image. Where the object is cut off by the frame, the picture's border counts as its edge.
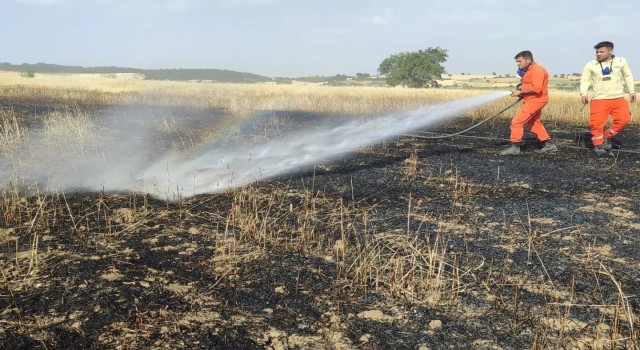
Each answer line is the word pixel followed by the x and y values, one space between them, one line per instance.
pixel 542 251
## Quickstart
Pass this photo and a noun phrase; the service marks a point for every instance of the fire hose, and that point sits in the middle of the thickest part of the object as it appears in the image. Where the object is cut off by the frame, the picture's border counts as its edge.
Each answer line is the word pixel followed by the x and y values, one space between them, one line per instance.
pixel 473 126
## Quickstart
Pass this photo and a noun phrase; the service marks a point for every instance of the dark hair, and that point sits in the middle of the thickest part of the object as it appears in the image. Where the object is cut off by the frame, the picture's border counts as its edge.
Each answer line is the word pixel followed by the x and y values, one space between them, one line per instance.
pixel 524 54
pixel 607 44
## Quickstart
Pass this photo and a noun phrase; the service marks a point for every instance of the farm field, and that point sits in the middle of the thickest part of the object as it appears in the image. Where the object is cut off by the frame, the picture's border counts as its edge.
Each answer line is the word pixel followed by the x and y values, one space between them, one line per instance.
pixel 407 243
pixel 565 82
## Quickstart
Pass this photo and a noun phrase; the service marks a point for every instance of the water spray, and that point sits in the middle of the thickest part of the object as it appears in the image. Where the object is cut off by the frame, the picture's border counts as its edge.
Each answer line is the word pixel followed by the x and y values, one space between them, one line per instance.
pixel 216 171
pixel 121 159
pixel 471 127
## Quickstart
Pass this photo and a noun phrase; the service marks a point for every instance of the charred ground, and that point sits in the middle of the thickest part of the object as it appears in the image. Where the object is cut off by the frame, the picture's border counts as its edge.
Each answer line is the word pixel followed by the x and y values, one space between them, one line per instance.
pixel 537 251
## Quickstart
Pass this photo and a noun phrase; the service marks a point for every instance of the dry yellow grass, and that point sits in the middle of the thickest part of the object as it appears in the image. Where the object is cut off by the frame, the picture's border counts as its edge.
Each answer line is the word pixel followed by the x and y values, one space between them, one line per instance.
pixel 237 98
pixel 244 99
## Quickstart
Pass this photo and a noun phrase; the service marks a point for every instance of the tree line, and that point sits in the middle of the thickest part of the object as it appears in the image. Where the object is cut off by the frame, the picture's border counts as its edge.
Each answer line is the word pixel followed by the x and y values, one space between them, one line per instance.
pixel 219 75
pixel 415 69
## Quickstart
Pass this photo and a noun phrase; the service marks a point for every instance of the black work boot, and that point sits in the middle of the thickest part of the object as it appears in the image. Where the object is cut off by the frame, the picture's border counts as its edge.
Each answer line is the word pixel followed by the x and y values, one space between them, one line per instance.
pixel 607 144
pixel 548 147
pixel 599 149
pixel 513 150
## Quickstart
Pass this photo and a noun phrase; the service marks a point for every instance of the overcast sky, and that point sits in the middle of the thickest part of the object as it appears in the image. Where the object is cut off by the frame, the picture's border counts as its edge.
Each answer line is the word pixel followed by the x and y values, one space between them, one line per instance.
pixel 289 38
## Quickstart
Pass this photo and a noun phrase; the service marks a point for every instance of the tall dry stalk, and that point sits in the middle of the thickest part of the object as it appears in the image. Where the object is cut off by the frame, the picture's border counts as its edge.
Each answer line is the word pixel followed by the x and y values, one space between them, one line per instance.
pixel 12 133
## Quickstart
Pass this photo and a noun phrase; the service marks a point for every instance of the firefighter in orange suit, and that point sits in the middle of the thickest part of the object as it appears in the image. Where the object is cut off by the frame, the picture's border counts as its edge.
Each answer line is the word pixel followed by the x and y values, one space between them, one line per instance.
pixel 534 93
pixel 607 76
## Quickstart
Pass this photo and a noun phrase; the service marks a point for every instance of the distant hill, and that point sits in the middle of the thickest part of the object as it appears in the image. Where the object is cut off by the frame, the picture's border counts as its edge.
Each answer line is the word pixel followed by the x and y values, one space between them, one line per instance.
pixel 217 75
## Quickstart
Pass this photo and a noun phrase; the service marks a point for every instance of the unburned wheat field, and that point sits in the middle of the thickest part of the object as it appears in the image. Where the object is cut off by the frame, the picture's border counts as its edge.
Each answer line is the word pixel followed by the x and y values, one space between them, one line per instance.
pixel 408 243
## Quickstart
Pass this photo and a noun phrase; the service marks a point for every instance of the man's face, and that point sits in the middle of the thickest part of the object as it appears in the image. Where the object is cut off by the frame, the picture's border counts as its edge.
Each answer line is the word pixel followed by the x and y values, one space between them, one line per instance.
pixel 522 62
pixel 604 53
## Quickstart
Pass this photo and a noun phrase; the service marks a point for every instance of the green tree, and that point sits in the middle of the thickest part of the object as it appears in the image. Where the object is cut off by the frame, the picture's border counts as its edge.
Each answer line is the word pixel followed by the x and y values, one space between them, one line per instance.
pixel 414 69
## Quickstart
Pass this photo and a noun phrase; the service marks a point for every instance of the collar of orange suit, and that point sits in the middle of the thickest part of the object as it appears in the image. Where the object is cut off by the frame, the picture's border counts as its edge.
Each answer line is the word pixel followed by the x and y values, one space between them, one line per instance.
pixel 529 66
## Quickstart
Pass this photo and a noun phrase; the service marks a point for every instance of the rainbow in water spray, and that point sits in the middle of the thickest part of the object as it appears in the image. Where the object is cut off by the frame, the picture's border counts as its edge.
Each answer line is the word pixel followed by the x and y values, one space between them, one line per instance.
pixel 175 175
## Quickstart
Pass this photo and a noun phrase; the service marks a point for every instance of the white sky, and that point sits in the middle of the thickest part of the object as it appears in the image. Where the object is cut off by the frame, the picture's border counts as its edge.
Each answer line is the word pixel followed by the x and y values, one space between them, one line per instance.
pixel 289 38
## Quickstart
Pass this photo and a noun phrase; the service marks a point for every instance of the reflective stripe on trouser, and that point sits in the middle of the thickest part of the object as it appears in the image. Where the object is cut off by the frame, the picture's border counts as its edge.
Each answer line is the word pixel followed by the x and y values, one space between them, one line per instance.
pixel 600 110
pixel 529 114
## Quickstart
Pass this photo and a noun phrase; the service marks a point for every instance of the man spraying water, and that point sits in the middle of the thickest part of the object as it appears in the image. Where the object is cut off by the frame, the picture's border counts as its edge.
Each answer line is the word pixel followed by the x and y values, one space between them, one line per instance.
pixel 534 93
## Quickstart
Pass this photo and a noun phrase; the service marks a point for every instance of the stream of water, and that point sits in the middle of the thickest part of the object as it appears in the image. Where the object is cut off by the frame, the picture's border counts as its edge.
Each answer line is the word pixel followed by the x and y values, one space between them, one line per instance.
pixel 215 171
pixel 125 152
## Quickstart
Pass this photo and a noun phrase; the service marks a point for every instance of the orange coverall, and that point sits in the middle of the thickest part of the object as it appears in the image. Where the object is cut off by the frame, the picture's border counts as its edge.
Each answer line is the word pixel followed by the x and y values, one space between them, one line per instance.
pixel 608 96
pixel 618 108
pixel 535 78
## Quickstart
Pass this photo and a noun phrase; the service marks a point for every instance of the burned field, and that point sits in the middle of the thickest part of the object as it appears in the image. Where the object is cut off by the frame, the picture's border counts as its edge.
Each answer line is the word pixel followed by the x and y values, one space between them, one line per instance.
pixel 411 243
